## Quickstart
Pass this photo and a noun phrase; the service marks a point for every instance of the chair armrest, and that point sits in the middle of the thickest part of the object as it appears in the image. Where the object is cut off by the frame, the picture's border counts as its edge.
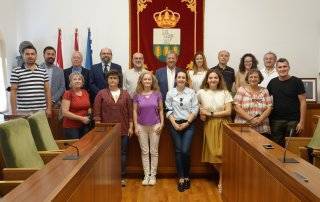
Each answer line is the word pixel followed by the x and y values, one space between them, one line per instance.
pixel 7 186
pixel 61 145
pixel 316 116
pixel 18 173
pixel 47 156
pixel 303 153
pixel 316 152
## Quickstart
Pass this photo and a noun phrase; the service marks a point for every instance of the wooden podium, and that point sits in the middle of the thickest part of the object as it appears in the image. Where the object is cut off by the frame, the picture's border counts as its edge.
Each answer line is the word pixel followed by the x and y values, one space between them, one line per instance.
pixel 251 172
pixel 95 176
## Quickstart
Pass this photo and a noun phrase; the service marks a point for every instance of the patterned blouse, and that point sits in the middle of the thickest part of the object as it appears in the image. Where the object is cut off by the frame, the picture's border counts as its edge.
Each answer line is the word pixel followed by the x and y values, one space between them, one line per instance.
pixel 253 104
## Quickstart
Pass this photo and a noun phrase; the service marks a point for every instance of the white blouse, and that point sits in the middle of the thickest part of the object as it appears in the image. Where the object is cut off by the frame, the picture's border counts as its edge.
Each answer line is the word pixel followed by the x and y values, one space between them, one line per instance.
pixel 214 100
pixel 196 79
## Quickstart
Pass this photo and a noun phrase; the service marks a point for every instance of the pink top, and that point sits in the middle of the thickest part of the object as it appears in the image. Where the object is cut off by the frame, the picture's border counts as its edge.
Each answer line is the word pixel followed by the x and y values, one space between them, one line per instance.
pixel 253 104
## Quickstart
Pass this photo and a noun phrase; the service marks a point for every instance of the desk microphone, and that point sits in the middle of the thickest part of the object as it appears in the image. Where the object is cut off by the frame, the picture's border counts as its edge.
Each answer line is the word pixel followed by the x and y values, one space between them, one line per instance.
pixel 284 159
pixel 71 157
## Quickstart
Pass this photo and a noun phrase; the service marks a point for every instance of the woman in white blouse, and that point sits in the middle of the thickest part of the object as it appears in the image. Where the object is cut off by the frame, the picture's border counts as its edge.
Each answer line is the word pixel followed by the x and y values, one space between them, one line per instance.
pixel 199 70
pixel 215 110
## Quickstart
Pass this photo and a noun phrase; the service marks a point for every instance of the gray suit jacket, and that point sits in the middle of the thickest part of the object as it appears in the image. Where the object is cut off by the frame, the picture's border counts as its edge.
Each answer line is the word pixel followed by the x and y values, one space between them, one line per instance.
pixel 57 85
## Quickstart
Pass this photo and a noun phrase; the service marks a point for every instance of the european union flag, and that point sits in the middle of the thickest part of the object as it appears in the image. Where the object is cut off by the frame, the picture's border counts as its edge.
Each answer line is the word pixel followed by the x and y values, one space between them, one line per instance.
pixel 89 51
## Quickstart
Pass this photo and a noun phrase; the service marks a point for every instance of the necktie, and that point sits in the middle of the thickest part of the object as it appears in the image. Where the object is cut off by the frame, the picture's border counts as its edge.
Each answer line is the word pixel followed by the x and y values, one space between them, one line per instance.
pixel 105 69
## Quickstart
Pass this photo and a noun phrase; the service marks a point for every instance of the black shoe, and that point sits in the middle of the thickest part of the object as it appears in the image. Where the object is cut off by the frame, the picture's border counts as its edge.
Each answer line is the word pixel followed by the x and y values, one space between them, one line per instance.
pixel 187 184
pixel 180 186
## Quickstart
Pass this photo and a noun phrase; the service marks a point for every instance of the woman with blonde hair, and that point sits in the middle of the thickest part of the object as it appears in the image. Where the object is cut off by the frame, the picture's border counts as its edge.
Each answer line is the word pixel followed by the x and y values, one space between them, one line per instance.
pixel 148 123
pixel 215 110
pixel 75 108
pixel 198 72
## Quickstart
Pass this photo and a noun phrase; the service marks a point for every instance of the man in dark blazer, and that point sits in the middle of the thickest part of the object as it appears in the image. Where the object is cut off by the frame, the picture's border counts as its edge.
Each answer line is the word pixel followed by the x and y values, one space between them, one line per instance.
pixel 166 75
pixel 98 71
pixel 55 74
pixel 76 61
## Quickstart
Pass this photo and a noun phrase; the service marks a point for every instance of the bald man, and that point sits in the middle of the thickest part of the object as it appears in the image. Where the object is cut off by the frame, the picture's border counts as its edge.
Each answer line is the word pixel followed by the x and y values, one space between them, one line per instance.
pixel 76 60
pixel 98 71
pixel 226 71
pixel 131 76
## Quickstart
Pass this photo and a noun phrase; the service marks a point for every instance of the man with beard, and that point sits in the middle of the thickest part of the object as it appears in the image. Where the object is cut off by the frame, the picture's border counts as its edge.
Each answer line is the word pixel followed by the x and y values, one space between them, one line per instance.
pixel 55 75
pixel 98 72
pixel 131 75
pixel 30 89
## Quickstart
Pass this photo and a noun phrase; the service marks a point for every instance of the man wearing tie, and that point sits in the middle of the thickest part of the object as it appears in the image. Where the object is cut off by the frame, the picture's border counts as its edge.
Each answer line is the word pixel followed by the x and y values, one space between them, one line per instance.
pixel 166 75
pixel 98 71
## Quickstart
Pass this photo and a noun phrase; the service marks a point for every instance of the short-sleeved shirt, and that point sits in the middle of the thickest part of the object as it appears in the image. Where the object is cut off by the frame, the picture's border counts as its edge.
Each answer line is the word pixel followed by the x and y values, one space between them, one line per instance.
pixel 228 75
pixel 30 91
pixel 254 104
pixel 196 79
pixel 148 108
pixel 130 80
pixel 181 104
pixel 214 100
pixel 267 76
pixel 286 104
pixel 79 105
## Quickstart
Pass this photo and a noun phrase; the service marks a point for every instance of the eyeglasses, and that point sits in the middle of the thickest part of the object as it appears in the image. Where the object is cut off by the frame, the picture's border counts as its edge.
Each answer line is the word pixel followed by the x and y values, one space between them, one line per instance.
pixel 181 103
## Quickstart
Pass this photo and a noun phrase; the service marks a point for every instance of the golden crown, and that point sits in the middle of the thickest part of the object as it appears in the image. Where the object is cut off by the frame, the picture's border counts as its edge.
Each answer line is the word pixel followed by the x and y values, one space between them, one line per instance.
pixel 166 18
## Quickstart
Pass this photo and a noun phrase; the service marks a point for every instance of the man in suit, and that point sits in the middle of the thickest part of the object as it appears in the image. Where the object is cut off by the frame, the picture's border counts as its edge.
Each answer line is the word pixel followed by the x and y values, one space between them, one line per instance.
pixel 55 75
pixel 98 71
pixel 76 60
pixel 166 75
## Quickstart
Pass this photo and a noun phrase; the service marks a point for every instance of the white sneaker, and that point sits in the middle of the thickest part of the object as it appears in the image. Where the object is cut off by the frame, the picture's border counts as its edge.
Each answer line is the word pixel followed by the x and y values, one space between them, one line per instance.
pixel 145 180
pixel 219 188
pixel 123 182
pixel 152 180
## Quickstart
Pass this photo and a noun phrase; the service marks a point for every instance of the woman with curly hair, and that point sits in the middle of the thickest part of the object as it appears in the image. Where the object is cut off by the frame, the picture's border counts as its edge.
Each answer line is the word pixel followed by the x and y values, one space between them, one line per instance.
pixel 248 61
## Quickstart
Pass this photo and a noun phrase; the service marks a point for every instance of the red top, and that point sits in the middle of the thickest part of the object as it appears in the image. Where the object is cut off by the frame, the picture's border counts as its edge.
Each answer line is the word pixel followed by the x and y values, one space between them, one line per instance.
pixel 79 105
pixel 106 110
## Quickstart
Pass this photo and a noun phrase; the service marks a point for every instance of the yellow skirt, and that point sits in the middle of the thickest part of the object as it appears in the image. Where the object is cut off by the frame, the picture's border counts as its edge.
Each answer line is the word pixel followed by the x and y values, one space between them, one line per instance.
pixel 212 140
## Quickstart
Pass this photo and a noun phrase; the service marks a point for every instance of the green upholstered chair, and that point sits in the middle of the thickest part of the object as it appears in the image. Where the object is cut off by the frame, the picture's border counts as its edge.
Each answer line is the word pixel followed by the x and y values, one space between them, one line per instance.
pixel 17 145
pixel 41 132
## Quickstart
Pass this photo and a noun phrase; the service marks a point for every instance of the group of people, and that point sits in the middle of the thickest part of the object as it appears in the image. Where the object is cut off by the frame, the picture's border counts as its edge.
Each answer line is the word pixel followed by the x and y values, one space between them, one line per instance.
pixel 271 100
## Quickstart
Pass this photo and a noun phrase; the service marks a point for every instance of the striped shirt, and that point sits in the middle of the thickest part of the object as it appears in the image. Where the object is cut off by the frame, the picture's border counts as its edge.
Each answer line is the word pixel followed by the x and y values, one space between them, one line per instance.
pixel 30 87
pixel 254 104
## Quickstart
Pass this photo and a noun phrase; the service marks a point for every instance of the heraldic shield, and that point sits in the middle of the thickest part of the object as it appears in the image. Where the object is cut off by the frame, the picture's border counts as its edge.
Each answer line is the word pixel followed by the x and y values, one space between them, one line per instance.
pixel 164 41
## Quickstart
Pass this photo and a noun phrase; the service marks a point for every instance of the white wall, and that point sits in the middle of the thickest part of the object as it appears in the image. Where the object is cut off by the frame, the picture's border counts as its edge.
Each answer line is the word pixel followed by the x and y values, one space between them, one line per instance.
pixel 290 28
pixel 8 38
pixel 108 20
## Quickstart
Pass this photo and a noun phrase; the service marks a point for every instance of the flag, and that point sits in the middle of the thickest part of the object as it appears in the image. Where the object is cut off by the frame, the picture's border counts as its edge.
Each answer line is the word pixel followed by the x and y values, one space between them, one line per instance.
pixel 76 44
pixel 89 51
pixel 59 59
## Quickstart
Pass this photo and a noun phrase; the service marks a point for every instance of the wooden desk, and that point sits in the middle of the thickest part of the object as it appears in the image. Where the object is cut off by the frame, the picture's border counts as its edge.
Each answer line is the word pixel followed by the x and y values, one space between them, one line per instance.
pixel 94 177
pixel 252 173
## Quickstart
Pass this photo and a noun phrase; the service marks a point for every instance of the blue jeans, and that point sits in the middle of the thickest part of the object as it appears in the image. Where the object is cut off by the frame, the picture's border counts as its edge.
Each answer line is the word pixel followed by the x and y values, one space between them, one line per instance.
pixel 182 142
pixel 124 149
pixel 76 133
